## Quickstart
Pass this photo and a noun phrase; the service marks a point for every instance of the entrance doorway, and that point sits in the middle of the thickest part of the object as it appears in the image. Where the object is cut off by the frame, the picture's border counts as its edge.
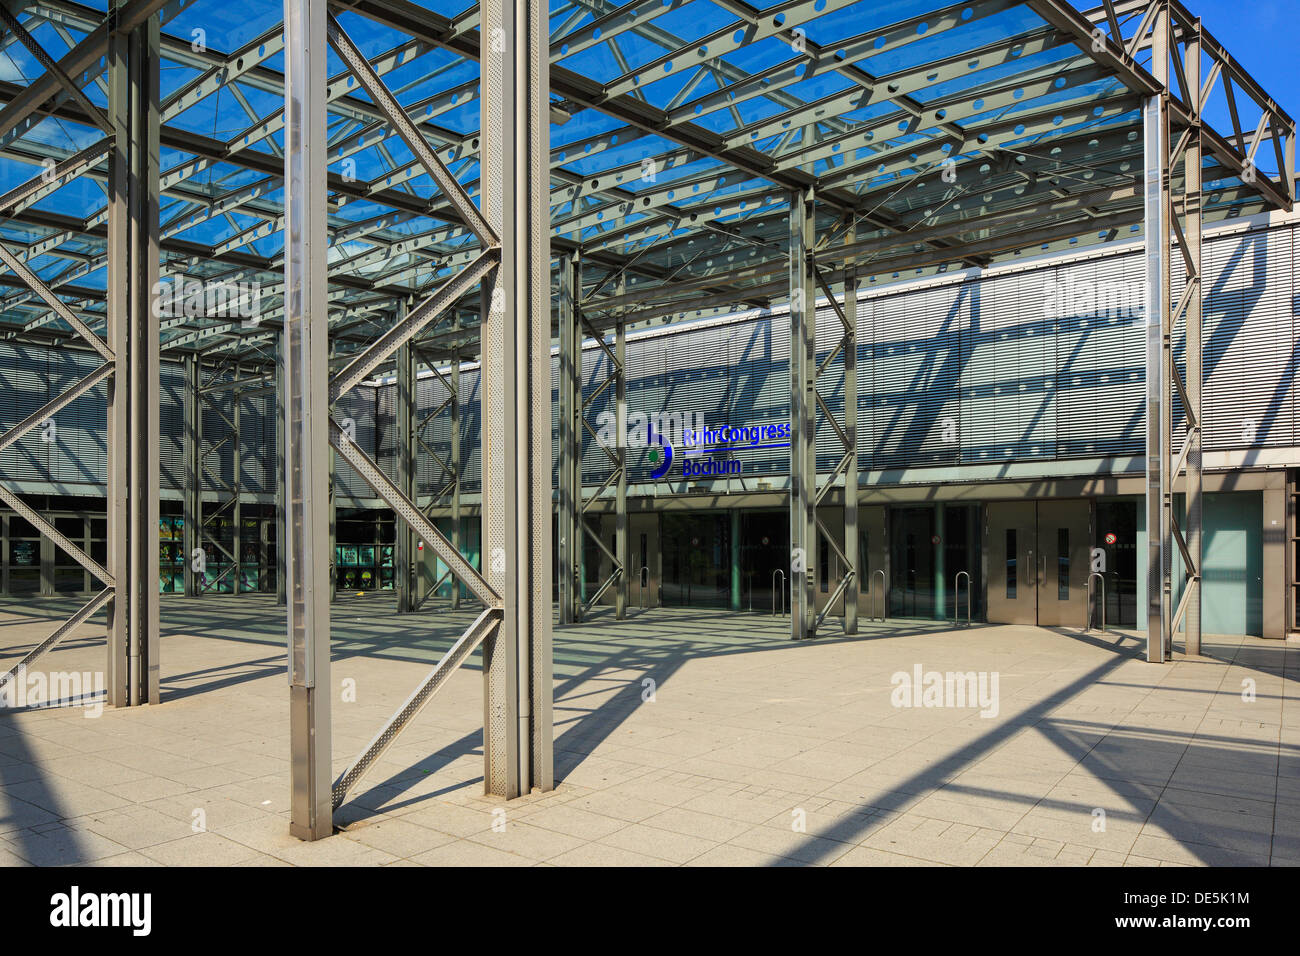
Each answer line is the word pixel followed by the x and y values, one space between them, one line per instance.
pixel 764 550
pixel 1038 562
pixel 696 560
pixel 911 562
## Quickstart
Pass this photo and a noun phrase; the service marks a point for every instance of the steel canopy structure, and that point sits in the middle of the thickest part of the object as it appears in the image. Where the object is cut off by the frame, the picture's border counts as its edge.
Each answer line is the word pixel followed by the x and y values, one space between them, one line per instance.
pixel 307 196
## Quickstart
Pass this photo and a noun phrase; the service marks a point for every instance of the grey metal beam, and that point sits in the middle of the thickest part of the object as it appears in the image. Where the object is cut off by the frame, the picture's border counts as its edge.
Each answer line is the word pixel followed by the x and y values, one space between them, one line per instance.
pixel 405 580
pixel 620 491
pixel 456 586
pixel 307 468
pixel 569 466
pixel 1173 226
pixel 1193 356
pixel 803 447
pixel 281 505
pixel 236 476
pixel 192 494
pixel 851 549
pixel 1157 231
pixel 516 382
pixel 133 413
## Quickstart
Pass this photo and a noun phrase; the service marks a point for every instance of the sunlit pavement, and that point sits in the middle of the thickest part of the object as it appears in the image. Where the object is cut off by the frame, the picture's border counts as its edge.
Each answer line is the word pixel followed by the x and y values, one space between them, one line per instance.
pixel 682 737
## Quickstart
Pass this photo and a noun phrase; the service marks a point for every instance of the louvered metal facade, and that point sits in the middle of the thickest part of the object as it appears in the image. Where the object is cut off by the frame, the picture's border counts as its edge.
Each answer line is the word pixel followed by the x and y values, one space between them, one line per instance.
pixel 1044 362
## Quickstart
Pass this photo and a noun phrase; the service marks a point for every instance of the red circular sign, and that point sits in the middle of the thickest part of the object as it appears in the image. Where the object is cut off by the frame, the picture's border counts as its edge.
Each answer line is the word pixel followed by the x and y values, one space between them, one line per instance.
pixel 934 539
pixel 1111 537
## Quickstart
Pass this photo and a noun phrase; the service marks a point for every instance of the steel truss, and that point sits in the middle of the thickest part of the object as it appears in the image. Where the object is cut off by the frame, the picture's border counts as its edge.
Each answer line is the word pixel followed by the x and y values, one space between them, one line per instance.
pixel 129 348
pixel 447 485
pixel 807 529
pixel 514 627
pixel 1173 215
pixel 416 577
pixel 224 379
pixel 1026 155
pixel 574 501
pixel 625 231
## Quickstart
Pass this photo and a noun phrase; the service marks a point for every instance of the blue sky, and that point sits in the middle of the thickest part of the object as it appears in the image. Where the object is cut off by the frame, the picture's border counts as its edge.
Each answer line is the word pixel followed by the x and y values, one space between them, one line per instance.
pixel 1260 36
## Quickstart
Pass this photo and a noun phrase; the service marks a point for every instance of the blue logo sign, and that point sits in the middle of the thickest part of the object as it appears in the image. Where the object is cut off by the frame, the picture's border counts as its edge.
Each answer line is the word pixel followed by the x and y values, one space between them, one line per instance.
pixel 666 445
pixel 708 451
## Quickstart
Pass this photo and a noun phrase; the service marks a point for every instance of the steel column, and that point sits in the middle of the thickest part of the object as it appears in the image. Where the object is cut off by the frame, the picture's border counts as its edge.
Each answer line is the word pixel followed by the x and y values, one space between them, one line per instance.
pixel 1173 225
pixel 851 556
pixel 1156 226
pixel 306 440
pixel 133 336
pixel 615 453
pixel 569 543
pixel 456 586
pixel 192 494
pixel 1193 356
pixel 516 376
pixel 803 372
pixel 405 578
pixel 237 480
pixel 620 491
pixel 281 581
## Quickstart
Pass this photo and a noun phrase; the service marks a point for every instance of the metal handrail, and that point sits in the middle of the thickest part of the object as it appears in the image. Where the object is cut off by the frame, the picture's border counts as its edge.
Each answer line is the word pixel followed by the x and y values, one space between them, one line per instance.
pixel 956 590
pixel 884 590
pixel 642 583
pixel 1087 626
pixel 778 571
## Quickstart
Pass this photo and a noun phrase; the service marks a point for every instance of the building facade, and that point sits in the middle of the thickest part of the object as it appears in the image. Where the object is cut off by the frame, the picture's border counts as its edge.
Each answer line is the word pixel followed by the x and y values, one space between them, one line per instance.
pixel 1000 447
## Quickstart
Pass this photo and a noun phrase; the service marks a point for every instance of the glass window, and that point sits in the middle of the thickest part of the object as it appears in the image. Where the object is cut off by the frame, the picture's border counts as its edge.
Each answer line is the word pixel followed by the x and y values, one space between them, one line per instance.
pixel 1063 564
pixel 1011 563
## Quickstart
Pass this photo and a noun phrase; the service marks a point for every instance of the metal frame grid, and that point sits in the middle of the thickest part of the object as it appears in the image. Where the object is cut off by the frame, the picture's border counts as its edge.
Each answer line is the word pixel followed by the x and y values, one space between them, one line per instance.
pixel 574 500
pixel 693 156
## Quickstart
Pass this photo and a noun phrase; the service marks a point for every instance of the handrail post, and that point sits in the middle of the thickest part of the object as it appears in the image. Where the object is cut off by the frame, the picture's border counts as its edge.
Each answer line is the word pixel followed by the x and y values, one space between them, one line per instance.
pixel 775 574
pixel 1102 578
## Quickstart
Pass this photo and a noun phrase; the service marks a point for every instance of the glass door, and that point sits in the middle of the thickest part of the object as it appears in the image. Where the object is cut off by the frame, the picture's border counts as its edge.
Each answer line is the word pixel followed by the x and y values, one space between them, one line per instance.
pixel 912 544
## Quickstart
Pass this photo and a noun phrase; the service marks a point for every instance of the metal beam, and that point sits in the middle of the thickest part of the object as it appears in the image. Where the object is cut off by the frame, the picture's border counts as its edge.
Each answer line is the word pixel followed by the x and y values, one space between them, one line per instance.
pixel 516 377
pixel 192 500
pixel 406 581
pixel 1193 357
pixel 851 549
pixel 803 450
pixel 569 466
pixel 1173 226
pixel 133 413
pixel 306 442
pixel 620 490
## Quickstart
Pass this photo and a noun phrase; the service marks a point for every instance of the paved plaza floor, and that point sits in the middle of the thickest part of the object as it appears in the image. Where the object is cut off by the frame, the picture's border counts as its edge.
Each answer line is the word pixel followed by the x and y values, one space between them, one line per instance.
pixel 682 737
